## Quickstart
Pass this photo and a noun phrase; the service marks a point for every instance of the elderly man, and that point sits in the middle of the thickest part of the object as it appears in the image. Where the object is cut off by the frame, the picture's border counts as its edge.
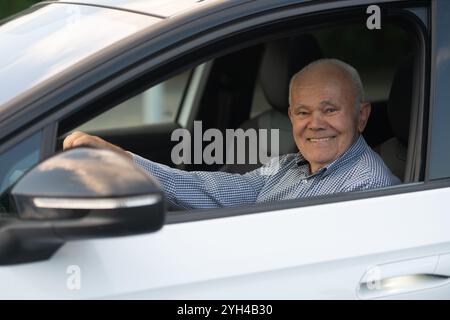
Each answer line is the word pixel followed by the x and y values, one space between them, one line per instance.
pixel 328 115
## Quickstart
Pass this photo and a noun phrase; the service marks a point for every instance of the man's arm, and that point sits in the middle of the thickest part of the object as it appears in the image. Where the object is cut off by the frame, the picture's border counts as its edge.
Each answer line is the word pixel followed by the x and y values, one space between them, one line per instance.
pixel 202 189
pixel 196 189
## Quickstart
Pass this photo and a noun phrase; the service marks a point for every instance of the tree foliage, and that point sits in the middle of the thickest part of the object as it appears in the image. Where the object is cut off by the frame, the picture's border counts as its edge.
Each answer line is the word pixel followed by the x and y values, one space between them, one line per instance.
pixel 10 7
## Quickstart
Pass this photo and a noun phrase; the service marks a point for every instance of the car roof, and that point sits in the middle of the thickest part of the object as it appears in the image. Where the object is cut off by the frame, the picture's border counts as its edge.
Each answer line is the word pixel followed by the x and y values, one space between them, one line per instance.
pixel 162 8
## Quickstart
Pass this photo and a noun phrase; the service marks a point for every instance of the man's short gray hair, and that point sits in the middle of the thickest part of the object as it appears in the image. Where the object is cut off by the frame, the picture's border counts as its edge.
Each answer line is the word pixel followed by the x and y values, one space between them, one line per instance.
pixel 351 72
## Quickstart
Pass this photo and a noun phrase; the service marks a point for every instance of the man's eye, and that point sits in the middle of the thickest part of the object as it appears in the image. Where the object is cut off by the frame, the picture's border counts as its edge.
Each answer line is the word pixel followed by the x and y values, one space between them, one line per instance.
pixel 330 110
pixel 302 113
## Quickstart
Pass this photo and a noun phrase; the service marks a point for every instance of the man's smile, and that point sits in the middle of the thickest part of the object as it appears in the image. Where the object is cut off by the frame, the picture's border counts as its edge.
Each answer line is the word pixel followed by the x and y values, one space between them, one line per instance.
pixel 323 139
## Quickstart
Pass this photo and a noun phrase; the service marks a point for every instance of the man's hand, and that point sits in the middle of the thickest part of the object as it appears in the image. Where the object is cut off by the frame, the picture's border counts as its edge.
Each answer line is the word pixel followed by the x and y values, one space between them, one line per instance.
pixel 79 138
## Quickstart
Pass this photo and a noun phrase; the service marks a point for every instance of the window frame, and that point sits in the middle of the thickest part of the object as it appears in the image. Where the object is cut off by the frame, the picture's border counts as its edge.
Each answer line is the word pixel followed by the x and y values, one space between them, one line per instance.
pixel 439 111
pixel 196 44
pixel 204 214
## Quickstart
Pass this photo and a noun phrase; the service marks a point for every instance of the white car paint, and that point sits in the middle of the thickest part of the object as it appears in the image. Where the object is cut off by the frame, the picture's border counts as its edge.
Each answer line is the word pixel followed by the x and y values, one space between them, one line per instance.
pixel 165 8
pixel 55 38
pixel 316 252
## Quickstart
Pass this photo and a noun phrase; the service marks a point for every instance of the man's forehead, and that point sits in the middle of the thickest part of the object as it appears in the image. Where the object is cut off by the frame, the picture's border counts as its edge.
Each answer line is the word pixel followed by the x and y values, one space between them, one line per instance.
pixel 325 89
pixel 322 103
pixel 328 85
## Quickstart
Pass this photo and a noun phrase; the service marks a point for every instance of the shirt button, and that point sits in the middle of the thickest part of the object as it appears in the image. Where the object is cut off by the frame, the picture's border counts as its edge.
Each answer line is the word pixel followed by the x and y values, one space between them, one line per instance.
pixel 305 181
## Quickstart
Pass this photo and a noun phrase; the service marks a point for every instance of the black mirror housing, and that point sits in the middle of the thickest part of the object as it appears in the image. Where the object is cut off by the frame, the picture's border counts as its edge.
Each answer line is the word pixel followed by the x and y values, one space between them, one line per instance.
pixel 81 193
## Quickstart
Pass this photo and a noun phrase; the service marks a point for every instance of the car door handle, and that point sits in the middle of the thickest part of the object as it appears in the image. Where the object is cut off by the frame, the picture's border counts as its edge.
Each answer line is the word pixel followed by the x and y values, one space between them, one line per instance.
pixel 401 277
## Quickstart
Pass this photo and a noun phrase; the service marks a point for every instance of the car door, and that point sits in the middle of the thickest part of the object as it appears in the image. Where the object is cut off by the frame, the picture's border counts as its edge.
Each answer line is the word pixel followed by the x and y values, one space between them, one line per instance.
pixel 389 243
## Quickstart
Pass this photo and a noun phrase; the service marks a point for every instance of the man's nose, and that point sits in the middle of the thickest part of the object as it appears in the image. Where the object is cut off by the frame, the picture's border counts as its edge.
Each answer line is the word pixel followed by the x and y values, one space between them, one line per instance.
pixel 317 121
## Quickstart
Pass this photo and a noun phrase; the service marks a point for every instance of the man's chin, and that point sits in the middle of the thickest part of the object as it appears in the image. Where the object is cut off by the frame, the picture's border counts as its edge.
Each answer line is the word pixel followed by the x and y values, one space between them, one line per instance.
pixel 320 162
pixel 321 157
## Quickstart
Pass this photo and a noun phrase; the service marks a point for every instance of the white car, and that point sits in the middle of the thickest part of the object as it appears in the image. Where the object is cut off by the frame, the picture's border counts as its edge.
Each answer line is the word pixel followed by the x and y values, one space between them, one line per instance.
pixel 84 224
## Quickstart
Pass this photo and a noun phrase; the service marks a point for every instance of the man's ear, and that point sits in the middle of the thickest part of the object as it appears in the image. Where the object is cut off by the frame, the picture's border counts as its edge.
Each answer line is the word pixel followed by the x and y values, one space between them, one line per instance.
pixel 289 113
pixel 364 113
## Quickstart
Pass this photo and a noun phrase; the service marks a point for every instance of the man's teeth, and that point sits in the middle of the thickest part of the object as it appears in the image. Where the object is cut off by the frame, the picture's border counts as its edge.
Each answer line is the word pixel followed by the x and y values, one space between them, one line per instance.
pixel 320 139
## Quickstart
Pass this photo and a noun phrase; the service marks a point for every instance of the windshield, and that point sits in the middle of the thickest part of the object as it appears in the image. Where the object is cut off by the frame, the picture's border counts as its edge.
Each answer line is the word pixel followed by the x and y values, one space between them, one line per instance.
pixel 43 42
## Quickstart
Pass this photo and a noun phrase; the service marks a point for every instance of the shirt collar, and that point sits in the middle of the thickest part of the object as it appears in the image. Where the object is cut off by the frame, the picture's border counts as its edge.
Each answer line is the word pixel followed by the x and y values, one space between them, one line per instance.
pixel 355 150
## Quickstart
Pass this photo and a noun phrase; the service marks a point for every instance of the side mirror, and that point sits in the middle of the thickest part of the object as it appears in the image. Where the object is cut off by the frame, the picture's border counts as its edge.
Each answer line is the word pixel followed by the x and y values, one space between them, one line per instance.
pixel 81 193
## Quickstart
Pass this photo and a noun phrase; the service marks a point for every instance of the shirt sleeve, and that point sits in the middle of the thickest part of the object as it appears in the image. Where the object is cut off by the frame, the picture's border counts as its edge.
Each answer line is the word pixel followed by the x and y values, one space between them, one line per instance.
pixel 203 189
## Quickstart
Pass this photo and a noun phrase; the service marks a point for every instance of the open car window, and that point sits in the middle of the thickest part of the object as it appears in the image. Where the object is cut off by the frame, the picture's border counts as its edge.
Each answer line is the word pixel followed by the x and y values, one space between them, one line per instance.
pixel 237 95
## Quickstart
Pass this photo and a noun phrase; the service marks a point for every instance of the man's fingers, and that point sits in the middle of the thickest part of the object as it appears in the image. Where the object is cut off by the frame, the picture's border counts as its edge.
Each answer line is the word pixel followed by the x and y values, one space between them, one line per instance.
pixel 85 140
pixel 79 138
pixel 68 141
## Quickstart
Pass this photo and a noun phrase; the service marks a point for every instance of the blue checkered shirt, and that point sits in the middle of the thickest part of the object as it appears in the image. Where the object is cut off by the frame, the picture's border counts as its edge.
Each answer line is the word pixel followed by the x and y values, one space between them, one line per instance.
pixel 284 177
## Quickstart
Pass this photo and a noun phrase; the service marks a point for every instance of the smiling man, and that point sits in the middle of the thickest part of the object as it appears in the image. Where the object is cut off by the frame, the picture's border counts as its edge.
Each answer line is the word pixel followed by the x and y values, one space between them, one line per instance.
pixel 326 110
pixel 328 115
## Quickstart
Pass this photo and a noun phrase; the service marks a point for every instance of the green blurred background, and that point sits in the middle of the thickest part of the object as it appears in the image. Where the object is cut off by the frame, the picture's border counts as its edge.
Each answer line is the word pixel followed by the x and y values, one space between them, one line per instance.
pixel 10 7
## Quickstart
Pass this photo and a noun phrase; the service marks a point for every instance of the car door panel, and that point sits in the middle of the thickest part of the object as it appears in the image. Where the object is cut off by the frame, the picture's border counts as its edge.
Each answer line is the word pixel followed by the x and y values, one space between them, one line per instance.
pixel 323 252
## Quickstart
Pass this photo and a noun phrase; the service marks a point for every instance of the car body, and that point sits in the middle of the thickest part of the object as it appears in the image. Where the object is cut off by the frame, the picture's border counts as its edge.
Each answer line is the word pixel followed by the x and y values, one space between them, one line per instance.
pixel 387 243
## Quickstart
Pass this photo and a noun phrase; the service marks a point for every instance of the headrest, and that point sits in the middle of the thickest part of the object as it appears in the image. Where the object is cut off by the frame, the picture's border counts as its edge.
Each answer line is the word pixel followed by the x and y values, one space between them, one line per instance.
pixel 281 60
pixel 400 99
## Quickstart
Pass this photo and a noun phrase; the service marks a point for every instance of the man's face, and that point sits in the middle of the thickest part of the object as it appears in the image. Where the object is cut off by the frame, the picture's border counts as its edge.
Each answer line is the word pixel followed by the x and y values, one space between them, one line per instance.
pixel 324 118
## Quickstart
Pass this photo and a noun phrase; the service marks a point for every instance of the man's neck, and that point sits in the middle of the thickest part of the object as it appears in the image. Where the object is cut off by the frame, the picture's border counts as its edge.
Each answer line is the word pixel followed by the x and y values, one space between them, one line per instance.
pixel 314 168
